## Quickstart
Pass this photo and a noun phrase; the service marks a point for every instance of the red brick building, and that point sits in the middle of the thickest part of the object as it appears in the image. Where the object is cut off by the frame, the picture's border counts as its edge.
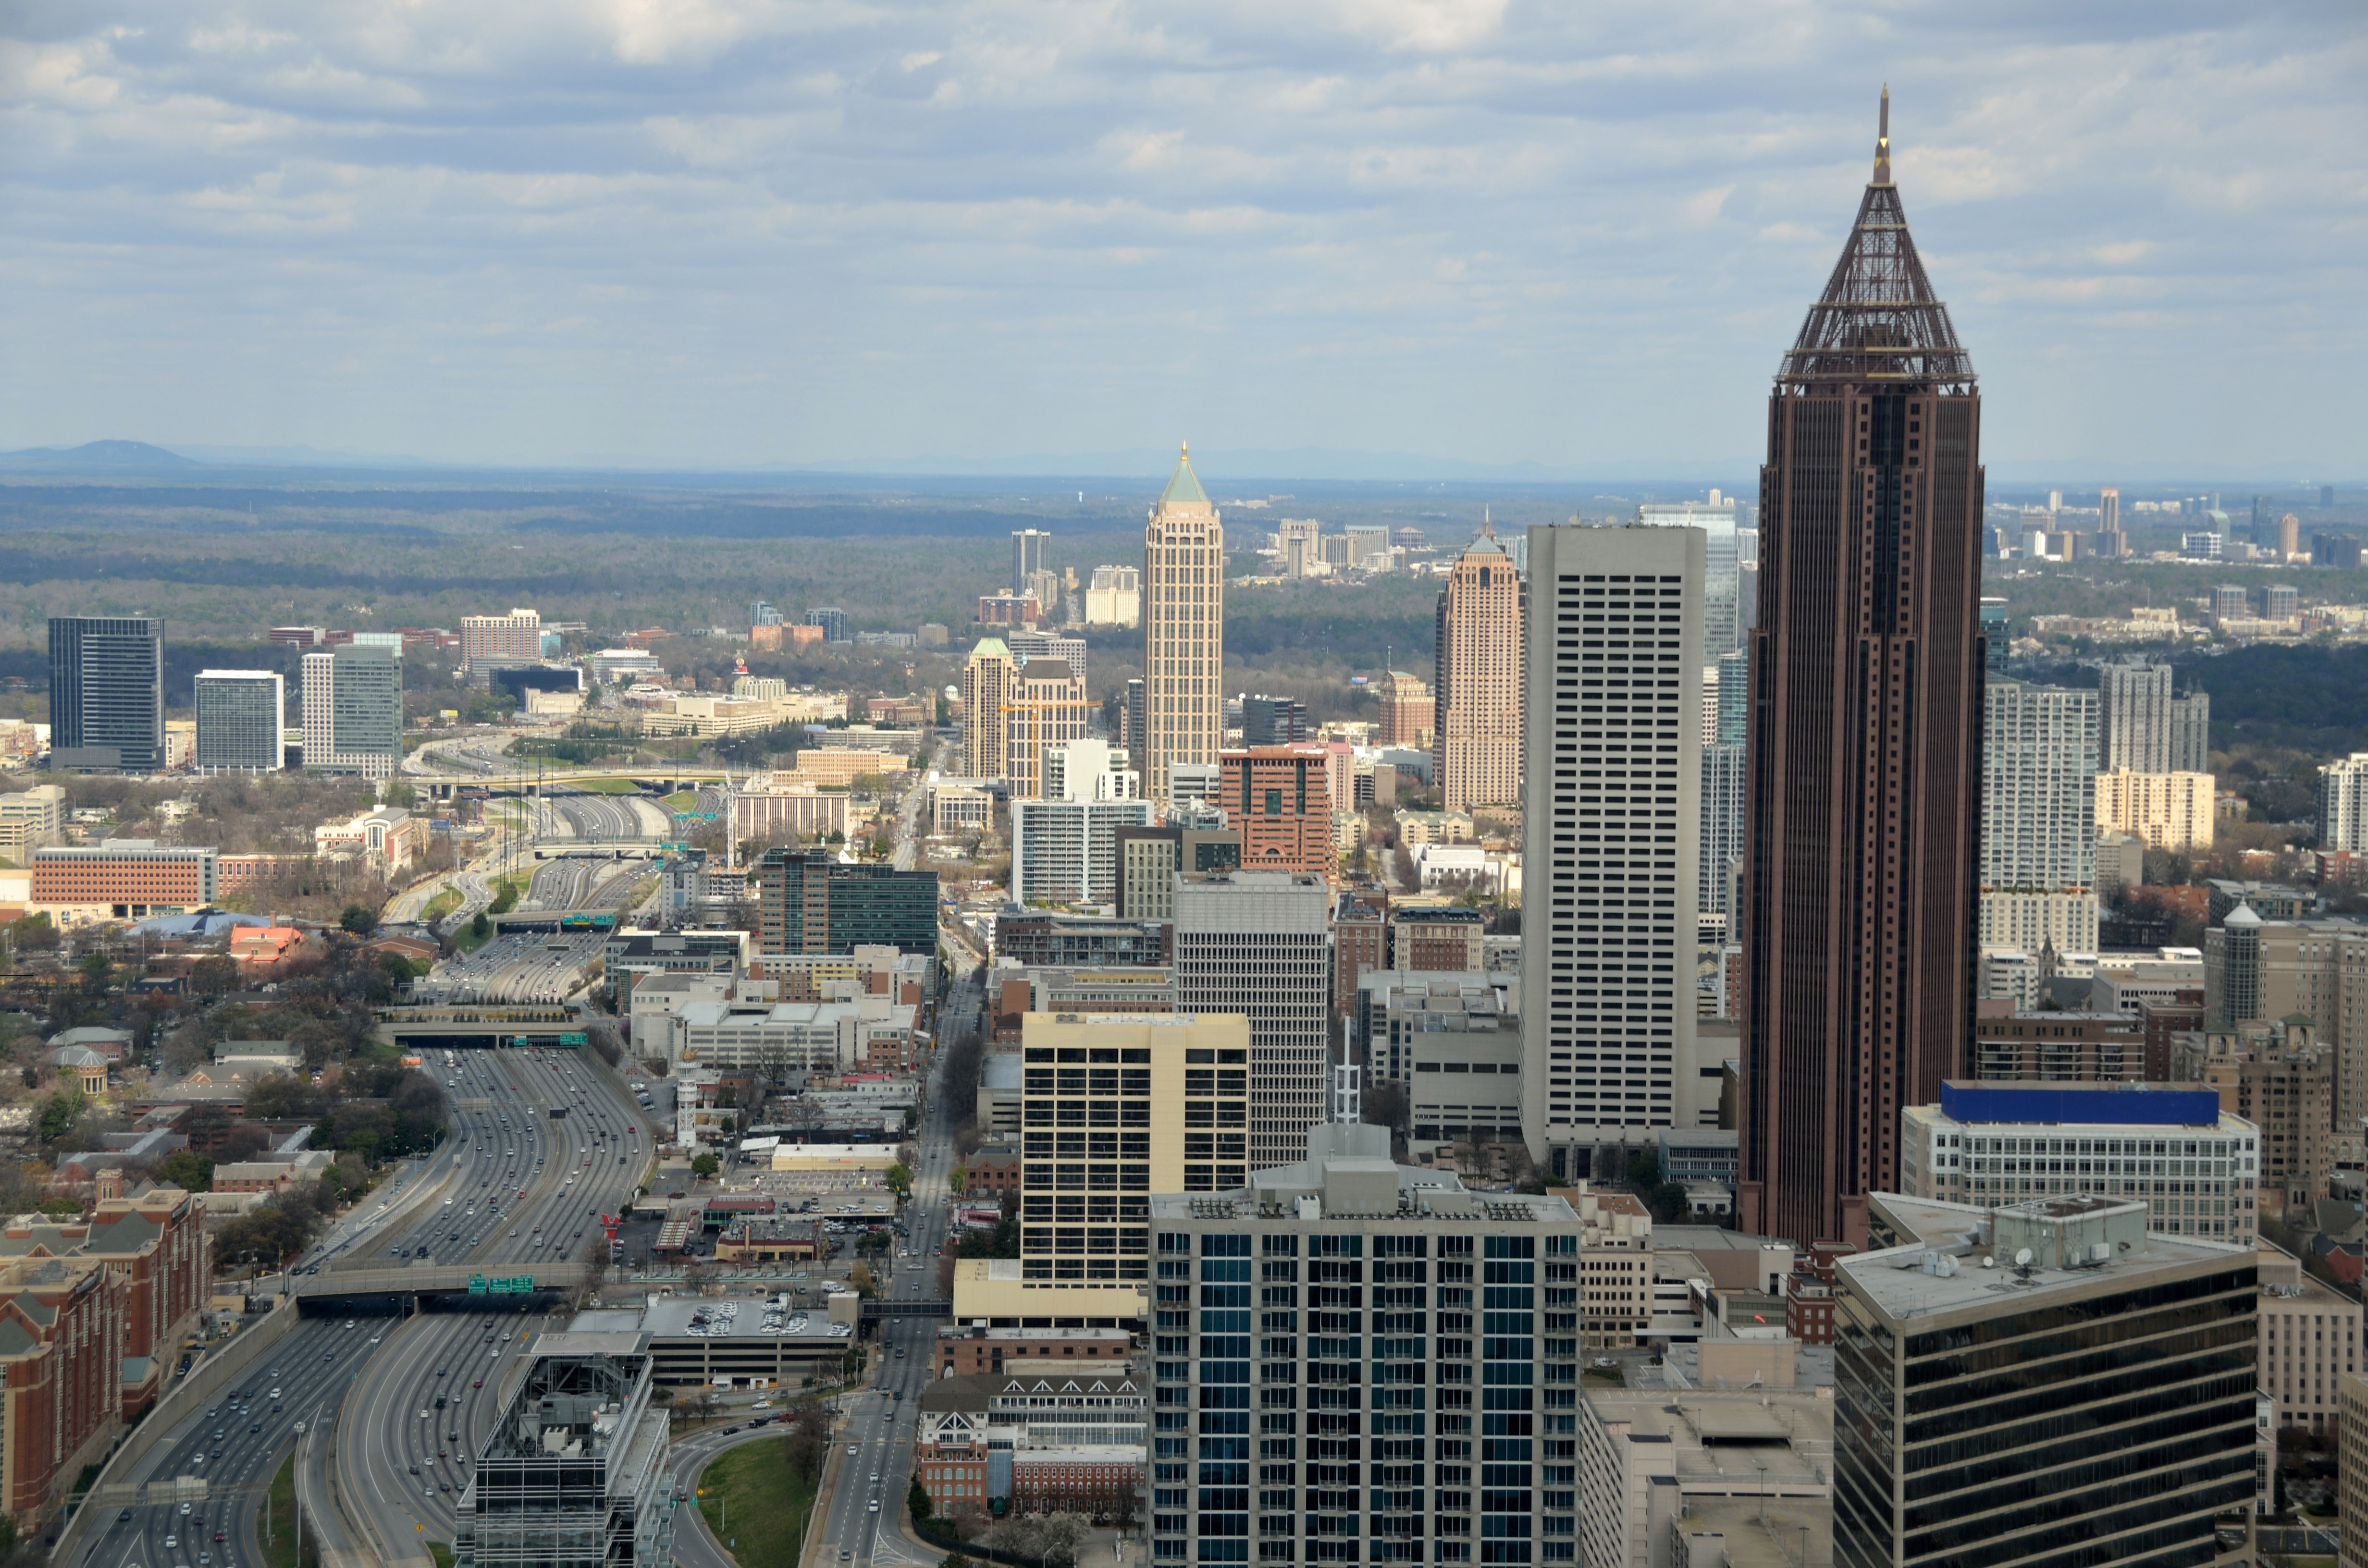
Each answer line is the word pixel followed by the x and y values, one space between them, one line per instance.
pixel 992 1168
pixel 1278 798
pixel 967 1350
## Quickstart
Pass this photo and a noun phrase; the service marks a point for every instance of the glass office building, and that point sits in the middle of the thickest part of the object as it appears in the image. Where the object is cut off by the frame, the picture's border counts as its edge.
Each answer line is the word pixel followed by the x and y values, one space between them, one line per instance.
pixel 239 718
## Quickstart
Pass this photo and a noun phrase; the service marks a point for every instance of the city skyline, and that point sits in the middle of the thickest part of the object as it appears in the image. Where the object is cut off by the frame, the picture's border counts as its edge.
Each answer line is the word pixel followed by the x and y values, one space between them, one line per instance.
pixel 746 240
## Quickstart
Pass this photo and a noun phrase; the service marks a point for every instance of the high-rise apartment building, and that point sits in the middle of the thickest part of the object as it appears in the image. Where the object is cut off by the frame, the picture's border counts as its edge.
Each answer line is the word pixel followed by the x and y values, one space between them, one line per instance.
pixel 1027 557
pixel 1065 850
pixel 1477 689
pixel 832 621
pixel 987 690
pixel 2169 811
pixel 1865 736
pixel 1407 712
pixel 1955 1434
pixel 1721 620
pixel 107 694
pixel 2343 805
pixel 517 635
pixel 2144 729
pixel 240 715
pixel 2039 814
pixel 1358 1361
pixel 2109 510
pixel 1276 798
pixel 1114 1109
pixel 1183 631
pixel 1726 795
pixel 1610 835
pixel 1047 709
pixel 1027 643
pixel 352 711
pixel 1131 725
pixel 1259 943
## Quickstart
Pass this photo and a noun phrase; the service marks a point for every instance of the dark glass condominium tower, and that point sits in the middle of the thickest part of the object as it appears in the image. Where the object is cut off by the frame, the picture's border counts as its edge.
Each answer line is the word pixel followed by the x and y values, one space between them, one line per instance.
pixel 107 694
pixel 1864 736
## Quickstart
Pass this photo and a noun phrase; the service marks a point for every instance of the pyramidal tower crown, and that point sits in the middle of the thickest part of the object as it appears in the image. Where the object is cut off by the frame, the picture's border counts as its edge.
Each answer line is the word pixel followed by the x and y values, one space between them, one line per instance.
pixel 1878 321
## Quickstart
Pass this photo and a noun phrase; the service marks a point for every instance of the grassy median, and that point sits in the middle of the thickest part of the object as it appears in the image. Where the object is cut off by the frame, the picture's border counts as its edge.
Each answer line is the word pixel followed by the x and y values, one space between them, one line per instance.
pixel 280 1541
pixel 749 1493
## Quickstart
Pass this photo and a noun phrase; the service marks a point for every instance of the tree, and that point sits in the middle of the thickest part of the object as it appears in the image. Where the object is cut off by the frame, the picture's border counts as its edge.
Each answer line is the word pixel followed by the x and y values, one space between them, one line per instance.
pixel 900 1179
pixel 212 977
pixel 480 928
pixel 917 1498
pixel 59 1111
pixel 190 1173
pixel 361 922
pixel 705 1166
pixel 860 1277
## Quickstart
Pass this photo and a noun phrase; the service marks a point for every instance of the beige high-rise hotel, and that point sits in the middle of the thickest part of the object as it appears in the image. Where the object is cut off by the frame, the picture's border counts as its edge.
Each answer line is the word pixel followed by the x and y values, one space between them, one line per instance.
pixel 1183 631
pixel 1477 750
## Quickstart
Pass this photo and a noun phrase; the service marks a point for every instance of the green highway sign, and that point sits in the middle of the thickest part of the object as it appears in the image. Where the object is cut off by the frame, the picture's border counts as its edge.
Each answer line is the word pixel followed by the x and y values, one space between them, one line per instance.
pixel 502 1285
pixel 575 1040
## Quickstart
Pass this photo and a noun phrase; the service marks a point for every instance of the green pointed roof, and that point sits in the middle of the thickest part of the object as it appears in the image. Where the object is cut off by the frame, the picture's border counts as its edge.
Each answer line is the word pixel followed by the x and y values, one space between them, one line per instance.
pixel 1184 485
pixel 991 648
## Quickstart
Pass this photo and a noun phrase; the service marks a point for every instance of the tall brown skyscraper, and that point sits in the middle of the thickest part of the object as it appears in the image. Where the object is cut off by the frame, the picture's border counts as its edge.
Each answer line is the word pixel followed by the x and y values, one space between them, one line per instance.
pixel 1864 738
pixel 1476 753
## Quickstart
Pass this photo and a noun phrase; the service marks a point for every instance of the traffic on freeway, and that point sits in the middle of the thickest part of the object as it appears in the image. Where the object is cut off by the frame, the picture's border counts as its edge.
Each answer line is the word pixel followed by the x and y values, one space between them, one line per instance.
pixel 450 1211
pixel 531 1189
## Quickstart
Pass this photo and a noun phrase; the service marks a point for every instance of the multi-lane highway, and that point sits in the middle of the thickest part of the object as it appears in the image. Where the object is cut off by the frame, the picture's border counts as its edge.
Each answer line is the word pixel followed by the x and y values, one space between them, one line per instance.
pixel 530 1189
pixel 875 1462
pixel 564 812
pixel 449 1210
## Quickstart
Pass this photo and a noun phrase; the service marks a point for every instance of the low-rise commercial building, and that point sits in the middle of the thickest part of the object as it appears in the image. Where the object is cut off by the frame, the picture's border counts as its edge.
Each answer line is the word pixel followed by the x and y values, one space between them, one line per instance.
pixel 122 878
pixel 1658 1471
pixel 973 1350
pixel 774 807
pixel 2309 1343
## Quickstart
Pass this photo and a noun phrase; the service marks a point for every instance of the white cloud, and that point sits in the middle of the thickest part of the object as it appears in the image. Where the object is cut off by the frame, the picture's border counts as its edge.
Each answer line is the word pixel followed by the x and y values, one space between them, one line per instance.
pixel 806 228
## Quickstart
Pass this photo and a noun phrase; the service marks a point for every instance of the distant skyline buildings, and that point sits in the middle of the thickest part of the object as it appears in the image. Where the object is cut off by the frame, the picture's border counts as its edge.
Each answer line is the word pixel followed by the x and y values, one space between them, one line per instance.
pixel 240 718
pixel 352 711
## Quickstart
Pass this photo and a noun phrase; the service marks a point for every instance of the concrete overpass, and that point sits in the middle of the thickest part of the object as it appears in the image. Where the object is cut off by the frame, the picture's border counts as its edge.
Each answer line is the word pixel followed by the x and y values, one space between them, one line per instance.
pixel 511 782
pixel 457 1028
pixel 367 1289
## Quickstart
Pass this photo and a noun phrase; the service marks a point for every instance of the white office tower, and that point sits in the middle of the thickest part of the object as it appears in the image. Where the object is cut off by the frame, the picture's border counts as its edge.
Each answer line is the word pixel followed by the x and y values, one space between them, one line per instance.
pixel 1722 598
pixel 353 713
pixel 1064 845
pixel 2343 805
pixel 1610 836
pixel 1361 1362
pixel 2039 817
pixel 1259 943
pixel 240 714
pixel 1189 784
pixel 1723 793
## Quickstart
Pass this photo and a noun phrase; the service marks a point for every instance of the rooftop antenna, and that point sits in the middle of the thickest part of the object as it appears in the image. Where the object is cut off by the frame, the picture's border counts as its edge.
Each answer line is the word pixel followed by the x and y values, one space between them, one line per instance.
pixel 1883 141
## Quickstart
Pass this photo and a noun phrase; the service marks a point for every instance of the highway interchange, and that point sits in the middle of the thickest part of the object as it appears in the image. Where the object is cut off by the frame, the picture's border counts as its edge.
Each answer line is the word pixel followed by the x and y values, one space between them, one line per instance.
pixel 328 1368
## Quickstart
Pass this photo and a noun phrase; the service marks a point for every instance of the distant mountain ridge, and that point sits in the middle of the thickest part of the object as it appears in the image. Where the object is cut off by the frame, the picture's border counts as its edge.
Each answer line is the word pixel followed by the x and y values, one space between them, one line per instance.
pixel 96 456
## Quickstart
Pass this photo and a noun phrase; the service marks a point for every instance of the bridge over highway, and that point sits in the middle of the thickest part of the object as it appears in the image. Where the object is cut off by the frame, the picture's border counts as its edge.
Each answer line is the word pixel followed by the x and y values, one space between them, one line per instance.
pixel 423 1279
pixel 453 1028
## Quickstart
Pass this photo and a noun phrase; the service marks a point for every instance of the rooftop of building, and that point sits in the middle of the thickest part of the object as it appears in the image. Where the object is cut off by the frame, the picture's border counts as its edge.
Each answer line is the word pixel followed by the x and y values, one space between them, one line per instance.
pixel 696 1317
pixel 2031 1102
pixel 1782 1532
pixel 1779 1439
pixel 979 1391
pixel 1962 1256
pixel 1349 1176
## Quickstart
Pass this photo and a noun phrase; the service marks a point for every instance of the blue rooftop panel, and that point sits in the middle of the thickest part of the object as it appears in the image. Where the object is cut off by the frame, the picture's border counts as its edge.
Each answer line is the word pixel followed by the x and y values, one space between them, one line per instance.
pixel 2101 1105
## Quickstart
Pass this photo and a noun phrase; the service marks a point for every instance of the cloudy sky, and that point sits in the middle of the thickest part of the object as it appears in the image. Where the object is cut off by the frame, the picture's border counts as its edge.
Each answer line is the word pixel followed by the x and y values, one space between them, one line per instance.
pixel 727 231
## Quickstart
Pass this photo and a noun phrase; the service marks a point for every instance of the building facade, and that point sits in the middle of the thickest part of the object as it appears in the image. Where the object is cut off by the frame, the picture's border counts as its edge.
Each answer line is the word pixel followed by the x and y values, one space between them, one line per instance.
pixel 1114 1109
pixel 352 711
pixel 487 639
pixel 1865 736
pixel 1183 631
pixel 1357 1361
pixel 1066 851
pixel 1149 857
pixel 128 879
pixel 2167 1146
pixel 1610 835
pixel 1408 715
pixel 809 901
pixel 1259 943
pixel 1721 620
pixel 240 714
pixel 1277 801
pixel 2167 810
pixel 107 694
pixel 1477 687
pixel 2039 817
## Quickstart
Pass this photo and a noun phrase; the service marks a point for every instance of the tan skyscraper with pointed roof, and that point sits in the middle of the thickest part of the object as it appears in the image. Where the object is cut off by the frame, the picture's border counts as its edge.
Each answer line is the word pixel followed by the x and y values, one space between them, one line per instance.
pixel 1477 752
pixel 987 682
pixel 1183 631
